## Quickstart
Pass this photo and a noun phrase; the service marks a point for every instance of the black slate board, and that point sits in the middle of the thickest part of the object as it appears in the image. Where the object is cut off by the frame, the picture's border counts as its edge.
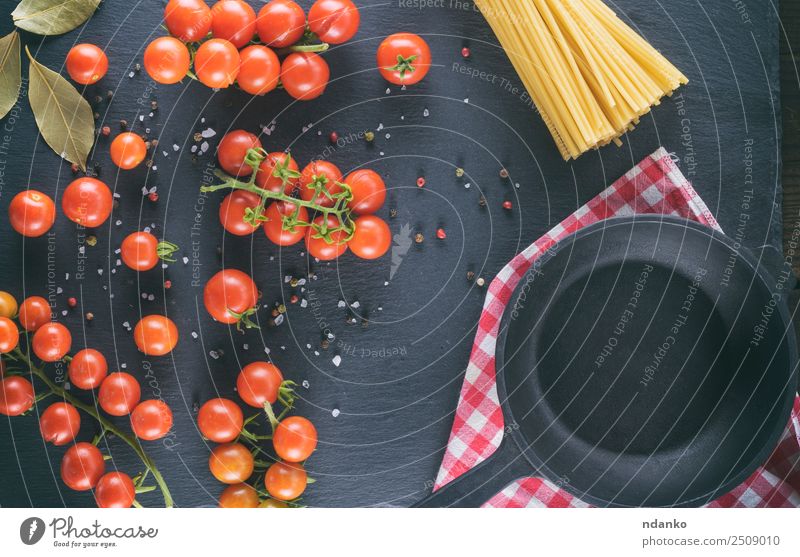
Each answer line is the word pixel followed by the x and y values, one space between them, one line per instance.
pixel 399 379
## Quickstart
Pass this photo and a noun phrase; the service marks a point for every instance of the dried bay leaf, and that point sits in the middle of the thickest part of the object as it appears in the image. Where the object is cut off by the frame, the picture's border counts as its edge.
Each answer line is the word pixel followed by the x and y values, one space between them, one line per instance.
pixel 52 17
pixel 63 116
pixel 10 72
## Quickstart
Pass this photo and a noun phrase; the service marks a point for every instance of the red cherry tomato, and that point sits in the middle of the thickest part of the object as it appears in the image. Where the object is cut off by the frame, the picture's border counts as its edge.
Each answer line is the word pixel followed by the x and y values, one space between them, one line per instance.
pixel 216 63
pixel 16 396
pixel 188 20
pixel 115 490
pixel 86 63
pixel 128 150
pixel 87 201
pixel 322 173
pixel 305 75
pixel 232 152
pixel 139 251
pixel 319 247
pixel 231 463
pixel 155 335
pixel 371 239
pixel 277 173
pixel 151 420
pixel 220 420
pixel 31 213
pixel 334 21
pixel 119 394
pixel 369 191
pixel 295 439
pixel 229 294
pixel 234 21
pixel 259 70
pixel 404 58
pixel 274 228
pixel 88 369
pixel 239 496
pixel 273 504
pixel 82 466
pixel 167 60
pixel 258 383
pixel 51 342
pixel 60 423
pixel 281 23
pixel 34 312
pixel 286 481
pixel 8 305
pixel 9 335
pixel 232 211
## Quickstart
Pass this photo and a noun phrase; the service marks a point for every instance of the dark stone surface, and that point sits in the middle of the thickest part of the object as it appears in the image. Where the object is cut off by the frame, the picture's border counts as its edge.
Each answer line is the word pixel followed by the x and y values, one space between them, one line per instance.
pixel 399 378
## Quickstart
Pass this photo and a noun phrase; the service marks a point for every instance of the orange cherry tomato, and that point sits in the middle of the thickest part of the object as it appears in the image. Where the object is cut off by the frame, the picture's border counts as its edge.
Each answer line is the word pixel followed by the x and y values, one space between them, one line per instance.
pixel 232 152
pixel 82 466
pixel 319 247
pixel 324 174
pixel 295 439
pixel 239 496
pixel 86 63
pixel 188 20
pixel 216 63
pixel 119 394
pixel 273 504
pixel 334 21
pixel 404 58
pixel 34 312
pixel 9 335
pixel 278 173
pixel 128 150
pixel 8 305
pixel 232 212
pixel 87 369
pixel 258 383
pixel 285 480
pixel 139 251
pixel 51 342
pixel 16 396
pixel 220 420
pixel 229 295
pixel 60 423
pixel 234 21
pixel 115 490
pixel 231 463
pixel 31 213
pixel 369 191
pixel 305 75
pixel 155 335
pixel 151 420
pixel 259 70
pixel 281 23
pixel 167 60
pixel 87 201
pixel 371 238
pixel 274 228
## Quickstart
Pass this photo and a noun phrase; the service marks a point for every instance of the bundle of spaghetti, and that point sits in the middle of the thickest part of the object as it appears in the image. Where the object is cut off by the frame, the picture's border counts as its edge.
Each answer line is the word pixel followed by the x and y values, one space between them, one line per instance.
pixel 589 74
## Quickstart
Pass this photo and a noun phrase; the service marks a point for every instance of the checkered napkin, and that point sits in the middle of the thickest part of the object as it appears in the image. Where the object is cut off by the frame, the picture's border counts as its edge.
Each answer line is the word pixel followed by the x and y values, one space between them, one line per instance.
pixel 655 185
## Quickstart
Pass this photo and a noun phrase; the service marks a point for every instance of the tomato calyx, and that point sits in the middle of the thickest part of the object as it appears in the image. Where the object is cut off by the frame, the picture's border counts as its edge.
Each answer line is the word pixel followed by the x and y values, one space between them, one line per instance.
pixel 165 250
pixel 405 65
pixel 243 318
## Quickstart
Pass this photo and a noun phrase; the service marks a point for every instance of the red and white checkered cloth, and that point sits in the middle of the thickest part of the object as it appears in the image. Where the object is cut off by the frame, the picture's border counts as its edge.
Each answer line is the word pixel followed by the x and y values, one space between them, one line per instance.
pixel 655 185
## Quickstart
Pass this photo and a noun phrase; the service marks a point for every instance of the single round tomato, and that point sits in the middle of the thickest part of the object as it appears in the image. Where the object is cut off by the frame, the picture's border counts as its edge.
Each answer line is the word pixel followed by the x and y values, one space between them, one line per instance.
pixel 334 21
pixel 34 312
pixel 369 191
pixel 239 496
pixel 258 383
pixel 232 152
pixel 273 504
pixel 305 75
pixel 167 60
pixel 115 490
pixel 8 305
pixel 404 58
pixel 31 213
pixel 322 249
pixel 278 173
pixel 220 420
pixel 119 393
pixel 60 423
pixel 281 23
pixel 259 70
pixel 232 212
pixel 151 420
pixel 285 480
pixel 322 176
pixel 274 227
pixel 188 20
pixel 139 251
pixel 216 63
pixel 128 150
pixel 82 466
pixel 87 201
pixel 9 335
pixel 86 63
pixel 231 463
pixel 372 237
pixel 155 335
pixel 16 396
pixel 295 439
pixel 87 369
pixel 51 342
pixel 234 21
pixel 229 295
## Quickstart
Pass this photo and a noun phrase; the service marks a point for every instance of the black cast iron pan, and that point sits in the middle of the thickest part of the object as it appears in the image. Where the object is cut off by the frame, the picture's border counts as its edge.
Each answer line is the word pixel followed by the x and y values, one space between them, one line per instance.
pixel 642 361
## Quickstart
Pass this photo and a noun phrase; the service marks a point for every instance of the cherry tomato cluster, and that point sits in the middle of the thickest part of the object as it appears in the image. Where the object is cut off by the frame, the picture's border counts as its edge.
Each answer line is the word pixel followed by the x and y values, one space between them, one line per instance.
pixel 229 43
pixel 118 394
pixel 316 204
pixel 220 420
